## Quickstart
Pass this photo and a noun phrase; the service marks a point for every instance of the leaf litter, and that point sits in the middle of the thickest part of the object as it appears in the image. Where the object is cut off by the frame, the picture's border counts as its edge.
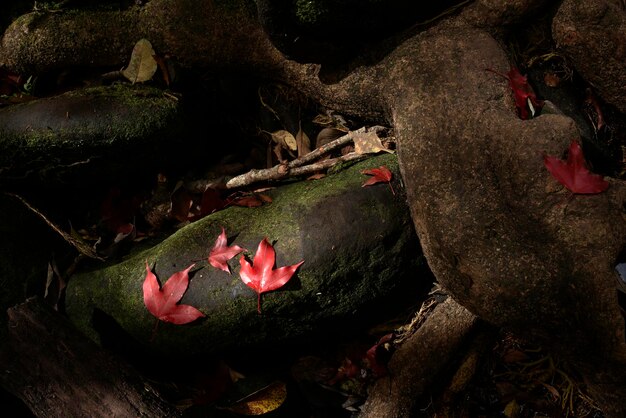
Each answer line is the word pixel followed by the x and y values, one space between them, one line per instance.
pixel 574 174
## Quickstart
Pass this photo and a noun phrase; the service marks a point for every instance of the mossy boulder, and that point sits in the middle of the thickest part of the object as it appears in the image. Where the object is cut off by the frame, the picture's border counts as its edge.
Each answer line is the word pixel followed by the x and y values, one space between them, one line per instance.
pixel 102 130
pixel 361 257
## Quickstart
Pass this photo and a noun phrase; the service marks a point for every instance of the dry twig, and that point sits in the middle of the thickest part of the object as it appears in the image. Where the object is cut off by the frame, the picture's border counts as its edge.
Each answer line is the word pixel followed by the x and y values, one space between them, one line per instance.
pixel 295 167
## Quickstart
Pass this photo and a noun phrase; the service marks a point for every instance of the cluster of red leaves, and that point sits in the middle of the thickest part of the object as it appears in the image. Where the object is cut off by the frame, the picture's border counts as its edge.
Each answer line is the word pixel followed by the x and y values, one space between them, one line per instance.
pixel 261 277
pixel 373 363
pixel 523 93
pixel 187 206
pixel 574 174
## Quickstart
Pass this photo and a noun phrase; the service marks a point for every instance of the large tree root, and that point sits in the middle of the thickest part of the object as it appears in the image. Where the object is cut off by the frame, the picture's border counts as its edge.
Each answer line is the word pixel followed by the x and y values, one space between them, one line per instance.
pixel 58 372
pixel 420 361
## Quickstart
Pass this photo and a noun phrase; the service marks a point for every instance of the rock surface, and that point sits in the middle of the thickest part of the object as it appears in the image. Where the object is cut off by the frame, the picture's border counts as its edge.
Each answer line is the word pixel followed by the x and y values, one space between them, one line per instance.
pixel 360 252
pixel 100 130
pixel 592 34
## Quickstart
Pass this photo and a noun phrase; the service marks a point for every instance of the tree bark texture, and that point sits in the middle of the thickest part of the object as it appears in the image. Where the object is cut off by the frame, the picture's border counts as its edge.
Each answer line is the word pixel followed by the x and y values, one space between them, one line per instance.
pixel 420 361
pixel 58 372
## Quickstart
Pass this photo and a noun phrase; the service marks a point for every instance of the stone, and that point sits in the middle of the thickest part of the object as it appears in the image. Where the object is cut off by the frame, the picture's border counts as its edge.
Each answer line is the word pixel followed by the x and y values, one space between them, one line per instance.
pixel 361 258
pixel 104 130
pixel 592 35
pixel 496 15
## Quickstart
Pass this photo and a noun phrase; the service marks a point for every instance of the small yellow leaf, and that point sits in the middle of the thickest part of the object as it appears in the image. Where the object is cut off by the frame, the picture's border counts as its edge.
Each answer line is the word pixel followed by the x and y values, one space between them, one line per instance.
pixel 142 65
pixel 512 409
pixel 368 143
pixel 285 139
pixel 262 401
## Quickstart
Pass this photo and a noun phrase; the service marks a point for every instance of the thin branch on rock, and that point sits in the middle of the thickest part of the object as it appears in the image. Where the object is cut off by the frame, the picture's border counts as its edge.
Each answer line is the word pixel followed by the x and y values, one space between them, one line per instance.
pixel 81 246
pixel 323 165
pixel 294 168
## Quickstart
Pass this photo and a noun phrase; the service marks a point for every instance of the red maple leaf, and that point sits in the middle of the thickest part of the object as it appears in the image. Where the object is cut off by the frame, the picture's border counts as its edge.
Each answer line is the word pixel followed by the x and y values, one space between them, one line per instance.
pixel 162 303
pixel 262 277
pixel 221 252
pixel 573 172
pixel 379 175
pixel 522 92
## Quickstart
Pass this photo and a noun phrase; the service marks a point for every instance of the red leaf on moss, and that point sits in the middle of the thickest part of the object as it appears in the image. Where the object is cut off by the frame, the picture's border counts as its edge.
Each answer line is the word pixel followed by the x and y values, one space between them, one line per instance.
pixel 261 275
pixel 221 252
pixel 379 175
pixel 163 303
pixel 250 201
pixel 522 92
pixel 573 172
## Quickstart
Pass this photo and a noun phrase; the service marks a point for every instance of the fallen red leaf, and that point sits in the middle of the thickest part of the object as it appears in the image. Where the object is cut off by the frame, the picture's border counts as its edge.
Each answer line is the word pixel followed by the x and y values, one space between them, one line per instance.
pixel 181 202
pixel 573 172
pixel 522 91
pixel 162 303
pixel 376 360
pixel 9 82
pixel 211 201
pixel 210 386
pixel 221 252
pixel 593 102
pixel 250 201
pixel 118 210
pixel 347 370
pixel 261 276
pixel 379 175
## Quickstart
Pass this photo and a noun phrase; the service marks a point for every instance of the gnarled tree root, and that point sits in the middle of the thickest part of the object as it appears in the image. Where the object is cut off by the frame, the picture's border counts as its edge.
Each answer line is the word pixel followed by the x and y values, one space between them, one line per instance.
pixel 420 361
pixel 58 372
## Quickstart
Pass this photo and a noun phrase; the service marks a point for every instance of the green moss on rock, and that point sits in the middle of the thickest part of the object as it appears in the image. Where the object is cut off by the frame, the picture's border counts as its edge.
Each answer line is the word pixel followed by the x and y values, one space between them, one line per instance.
pixel 358 246
pixel 85 126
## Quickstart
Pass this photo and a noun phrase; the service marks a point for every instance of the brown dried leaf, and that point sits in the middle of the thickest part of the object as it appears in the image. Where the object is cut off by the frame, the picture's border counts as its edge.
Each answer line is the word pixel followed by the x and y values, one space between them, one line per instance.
pixel 551 79
pixel 303 143
pixel 142 65
pixel 316 176
pixel 514 356
pixel 368 143
pixel 324 120
pixel 285 139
